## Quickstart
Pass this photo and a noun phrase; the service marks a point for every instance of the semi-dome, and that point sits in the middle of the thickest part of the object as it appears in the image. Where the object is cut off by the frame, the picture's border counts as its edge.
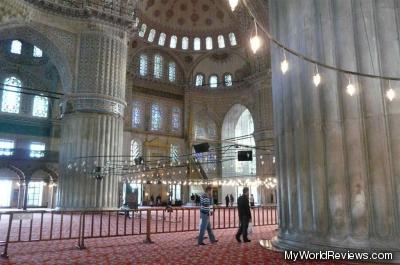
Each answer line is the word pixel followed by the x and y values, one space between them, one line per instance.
pixel 190 17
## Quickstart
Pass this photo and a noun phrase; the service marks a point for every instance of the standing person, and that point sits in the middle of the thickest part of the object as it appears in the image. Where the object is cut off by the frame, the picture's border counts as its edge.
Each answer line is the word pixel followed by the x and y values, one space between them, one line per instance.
pixel 244 215
pixel 251 200
pixel 197 199
pixel 205 213
pixel 192 198
pixel 231 199
pixel 227 200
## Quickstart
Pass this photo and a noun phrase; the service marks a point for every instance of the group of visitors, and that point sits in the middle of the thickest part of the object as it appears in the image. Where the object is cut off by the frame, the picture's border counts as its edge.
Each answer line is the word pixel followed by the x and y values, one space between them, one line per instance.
pixel 206 211
pixel 195 199
pixel 229 200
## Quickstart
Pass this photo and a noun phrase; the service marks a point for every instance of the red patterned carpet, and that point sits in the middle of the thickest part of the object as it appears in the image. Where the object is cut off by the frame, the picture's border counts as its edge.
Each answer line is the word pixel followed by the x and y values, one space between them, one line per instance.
pixel 172 248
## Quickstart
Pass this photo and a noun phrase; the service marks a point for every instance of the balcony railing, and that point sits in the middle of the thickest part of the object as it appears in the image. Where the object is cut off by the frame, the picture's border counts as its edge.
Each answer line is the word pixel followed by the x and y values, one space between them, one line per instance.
pixel 26 154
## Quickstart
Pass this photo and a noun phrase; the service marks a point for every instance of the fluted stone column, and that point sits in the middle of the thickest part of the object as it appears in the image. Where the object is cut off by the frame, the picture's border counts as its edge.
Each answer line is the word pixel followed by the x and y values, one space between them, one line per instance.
pixel 339 176
pixel 92 123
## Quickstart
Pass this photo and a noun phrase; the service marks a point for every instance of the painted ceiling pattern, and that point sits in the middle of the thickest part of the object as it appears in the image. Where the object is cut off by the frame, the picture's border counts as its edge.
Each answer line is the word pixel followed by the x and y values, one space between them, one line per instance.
pixel 188 15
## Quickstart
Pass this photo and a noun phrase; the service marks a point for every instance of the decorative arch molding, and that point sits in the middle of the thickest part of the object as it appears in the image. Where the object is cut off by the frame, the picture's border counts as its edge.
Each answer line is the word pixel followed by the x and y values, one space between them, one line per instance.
pixel 21 175
pixel 162 51
pixel 57 56
pixel 53 174
pixel 190 72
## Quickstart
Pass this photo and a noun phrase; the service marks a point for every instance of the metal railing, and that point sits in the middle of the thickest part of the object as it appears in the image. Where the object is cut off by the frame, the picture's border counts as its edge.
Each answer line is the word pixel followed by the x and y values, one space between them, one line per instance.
pixel 33 226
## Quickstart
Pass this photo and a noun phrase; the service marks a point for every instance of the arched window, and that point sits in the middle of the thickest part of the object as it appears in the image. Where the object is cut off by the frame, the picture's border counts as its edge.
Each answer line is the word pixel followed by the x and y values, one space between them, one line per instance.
pixel 228 79
pixel 173 41
pixel 158 66
pixel 176 118
pixel 155 117
pixel 209 43
pixel 197 44
pixel 213 81
pixel 199 80
pixel 172 71
pixel 35 193
pixel 151 36
pixel 40 106
pixel 6 147
pixel 38 53
pixel 161 39
pixel 143 65
pixel 142 30
pixel 136 114
pixel 221 41
pixel 232 39
pixel 11 96
pixel 16 47
pixel 185 43
pixel 135 150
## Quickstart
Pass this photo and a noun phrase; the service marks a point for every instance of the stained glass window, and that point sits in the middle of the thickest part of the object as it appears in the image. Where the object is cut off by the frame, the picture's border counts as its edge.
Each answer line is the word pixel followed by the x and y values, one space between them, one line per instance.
pixel 6 147
pixel 232 39
pixel 155 117
pixel 197 44
pixel 228 80
pixel 143 65
pixel 135 150
pixel 37 52
pixel 176 118
pixel 174 153
pixel 40 106
pixel 16 47
pixel 37 150
pixel 151 36
pixel 161 39
pixel 209 43
pixel 35 193
pixel 173 41
pixel 11 96
pixel 213 81
pixel 142 30
pixel 185 43
pixel 221 41
pixel 199 80
pixel 172 71
pixel 136 114
pixel 158 66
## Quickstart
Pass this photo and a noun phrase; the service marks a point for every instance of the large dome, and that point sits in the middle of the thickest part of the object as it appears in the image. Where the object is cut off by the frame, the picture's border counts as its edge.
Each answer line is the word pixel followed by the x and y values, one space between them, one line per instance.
pixel 188 17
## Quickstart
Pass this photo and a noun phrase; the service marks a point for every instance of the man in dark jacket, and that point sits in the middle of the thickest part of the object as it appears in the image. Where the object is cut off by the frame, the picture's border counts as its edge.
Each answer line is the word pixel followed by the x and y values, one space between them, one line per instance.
pixel 244 215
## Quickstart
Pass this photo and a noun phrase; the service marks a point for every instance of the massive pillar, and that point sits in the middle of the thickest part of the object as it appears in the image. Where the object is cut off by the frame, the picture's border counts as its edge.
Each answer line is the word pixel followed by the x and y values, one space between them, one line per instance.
pixel 337 154
pixel 92 123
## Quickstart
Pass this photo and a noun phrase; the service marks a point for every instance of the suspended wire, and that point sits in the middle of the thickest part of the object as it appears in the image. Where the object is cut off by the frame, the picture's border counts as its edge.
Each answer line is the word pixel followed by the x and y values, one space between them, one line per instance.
pixel 311 60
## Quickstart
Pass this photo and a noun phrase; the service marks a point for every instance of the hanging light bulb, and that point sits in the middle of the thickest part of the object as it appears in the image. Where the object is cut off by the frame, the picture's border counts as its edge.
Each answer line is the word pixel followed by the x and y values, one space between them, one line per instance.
pixel 284 64
pixel 351 89
pixel 316 77
pixel 233 4
pixel 255 41
pixel 390 93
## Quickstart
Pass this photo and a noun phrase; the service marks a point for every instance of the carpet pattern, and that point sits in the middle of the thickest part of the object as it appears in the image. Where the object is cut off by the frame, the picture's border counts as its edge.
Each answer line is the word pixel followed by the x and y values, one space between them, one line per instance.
pixel 171 248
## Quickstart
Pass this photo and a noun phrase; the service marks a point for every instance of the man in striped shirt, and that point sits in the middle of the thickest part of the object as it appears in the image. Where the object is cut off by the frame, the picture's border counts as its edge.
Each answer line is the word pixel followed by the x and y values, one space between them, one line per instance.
pixel 205 213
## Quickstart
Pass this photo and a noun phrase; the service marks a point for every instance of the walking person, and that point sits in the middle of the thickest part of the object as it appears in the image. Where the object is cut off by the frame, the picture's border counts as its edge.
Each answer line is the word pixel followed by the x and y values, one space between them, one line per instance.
pixel 227 200
pixel 252 200
pixel 205 213
pixel 244 215
pixel 231 199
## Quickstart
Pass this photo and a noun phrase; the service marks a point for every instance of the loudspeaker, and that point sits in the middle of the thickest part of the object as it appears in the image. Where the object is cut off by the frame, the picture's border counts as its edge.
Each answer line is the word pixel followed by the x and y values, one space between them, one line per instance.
pixel 201 148
pixel 245 156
